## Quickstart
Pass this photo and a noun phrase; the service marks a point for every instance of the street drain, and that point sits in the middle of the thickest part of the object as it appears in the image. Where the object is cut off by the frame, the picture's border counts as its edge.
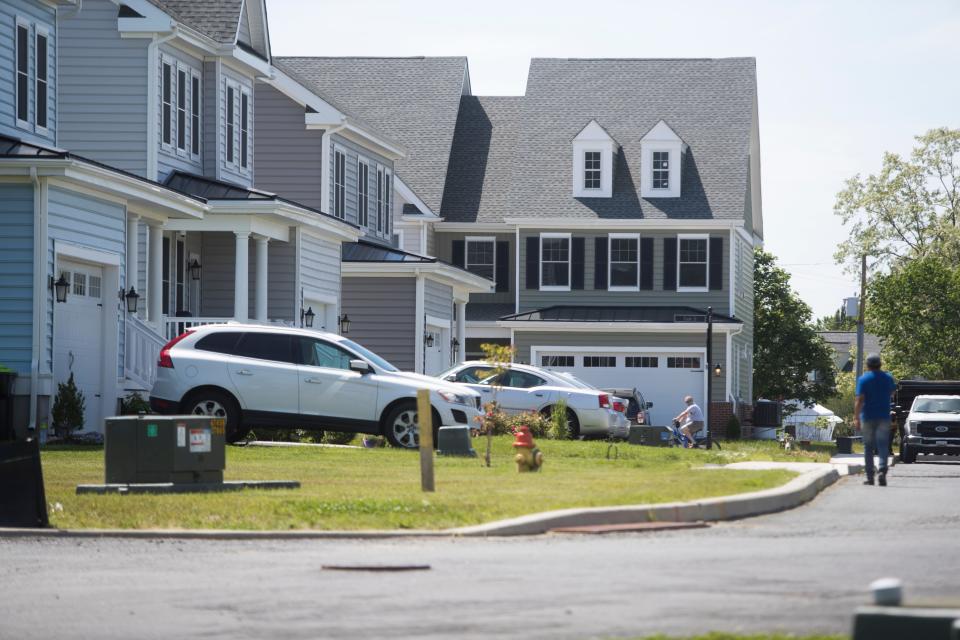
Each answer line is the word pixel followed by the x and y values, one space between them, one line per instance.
pixel 376 567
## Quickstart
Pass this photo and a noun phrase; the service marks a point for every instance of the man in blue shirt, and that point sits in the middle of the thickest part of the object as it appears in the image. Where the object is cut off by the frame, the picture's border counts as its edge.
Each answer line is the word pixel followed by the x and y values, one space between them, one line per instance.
pixel 875 390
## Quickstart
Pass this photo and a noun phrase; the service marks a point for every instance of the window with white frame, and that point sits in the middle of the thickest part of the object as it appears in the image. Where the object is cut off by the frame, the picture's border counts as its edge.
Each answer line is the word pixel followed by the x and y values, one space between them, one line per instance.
pixel 23 74
pixel 195 113
pixel 181 109
pixel 339 183
pixel 683 362
pixel 387 190
pixel 555 261
pixel 41 90
pixel 591 169
pixel 244 129
pixel 661 169
pixel 642 362
pixel 693 255
pixel 231 122
pixel 599 362
pixel 481 257
pixel 556 361
pixel 383 199
pixel 624 263
pixel 363 192
pixel 166 98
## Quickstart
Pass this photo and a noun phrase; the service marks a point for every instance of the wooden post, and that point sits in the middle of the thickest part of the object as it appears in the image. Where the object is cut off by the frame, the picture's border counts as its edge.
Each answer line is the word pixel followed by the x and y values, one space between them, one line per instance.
pixel 425 422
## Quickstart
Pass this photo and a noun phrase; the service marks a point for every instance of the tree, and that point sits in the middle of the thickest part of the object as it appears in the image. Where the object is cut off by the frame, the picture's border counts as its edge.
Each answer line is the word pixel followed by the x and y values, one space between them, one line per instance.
pixel 910 209
pixel 68 407
pixel 786 348
pixel 915 309
pixel 836 322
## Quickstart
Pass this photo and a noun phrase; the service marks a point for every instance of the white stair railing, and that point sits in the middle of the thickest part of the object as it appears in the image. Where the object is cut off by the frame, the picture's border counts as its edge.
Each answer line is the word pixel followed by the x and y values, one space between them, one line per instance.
pixel 143 346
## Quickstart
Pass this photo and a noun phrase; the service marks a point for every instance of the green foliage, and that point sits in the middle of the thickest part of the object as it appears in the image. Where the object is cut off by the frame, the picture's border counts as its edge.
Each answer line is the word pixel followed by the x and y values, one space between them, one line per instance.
pixel 836 321
pixel 559 425
pixel 910 209
pixel 133 404
pixel 786 346
pixel 915 309
pixel 499 356
pixel 338 437
pixel 506 423
pixel 733 428
pixel 841 403
pixel 68 407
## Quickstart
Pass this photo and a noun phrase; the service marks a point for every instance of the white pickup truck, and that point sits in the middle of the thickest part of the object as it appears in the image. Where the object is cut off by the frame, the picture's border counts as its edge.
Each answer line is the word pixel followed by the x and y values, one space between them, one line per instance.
pixel 932 427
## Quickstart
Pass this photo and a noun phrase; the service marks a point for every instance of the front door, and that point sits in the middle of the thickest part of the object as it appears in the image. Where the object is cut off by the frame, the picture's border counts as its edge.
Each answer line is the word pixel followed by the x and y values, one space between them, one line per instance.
pixel 330 392
pixel 78 337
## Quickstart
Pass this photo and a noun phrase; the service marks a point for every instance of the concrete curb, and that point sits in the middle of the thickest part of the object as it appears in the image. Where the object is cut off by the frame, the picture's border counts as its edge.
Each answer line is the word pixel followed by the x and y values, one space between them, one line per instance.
pixel 813 478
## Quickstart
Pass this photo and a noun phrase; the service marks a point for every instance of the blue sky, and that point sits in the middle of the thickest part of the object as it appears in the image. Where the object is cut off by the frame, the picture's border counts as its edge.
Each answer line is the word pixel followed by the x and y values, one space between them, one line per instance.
pixel 840 82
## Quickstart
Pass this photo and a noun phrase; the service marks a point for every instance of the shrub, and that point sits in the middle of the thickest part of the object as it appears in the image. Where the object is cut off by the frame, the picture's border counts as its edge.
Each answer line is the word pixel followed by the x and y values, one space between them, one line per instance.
pixel 559 429
pixel 506 424
pixel 68 406
pixel 733 428
pixel 338 437
pixel 134 404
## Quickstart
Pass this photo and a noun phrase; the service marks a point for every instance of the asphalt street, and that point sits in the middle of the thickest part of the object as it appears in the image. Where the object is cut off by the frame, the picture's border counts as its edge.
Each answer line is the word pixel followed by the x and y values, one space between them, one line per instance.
pixel 801 571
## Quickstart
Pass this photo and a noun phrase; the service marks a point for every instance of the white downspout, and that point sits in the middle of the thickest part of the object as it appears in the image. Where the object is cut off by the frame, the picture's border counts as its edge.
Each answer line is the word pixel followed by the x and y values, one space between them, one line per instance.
pixel 153 99
pixel 419 363
pixel 39 288
pixel 729 359
pixel 325 169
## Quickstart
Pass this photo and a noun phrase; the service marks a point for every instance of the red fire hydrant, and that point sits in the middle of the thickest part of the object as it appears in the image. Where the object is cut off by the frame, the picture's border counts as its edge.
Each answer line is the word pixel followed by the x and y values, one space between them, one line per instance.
pixel 528 457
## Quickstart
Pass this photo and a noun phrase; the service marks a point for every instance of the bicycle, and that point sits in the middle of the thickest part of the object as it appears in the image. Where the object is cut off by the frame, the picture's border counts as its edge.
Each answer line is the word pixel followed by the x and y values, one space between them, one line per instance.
pixel 681 440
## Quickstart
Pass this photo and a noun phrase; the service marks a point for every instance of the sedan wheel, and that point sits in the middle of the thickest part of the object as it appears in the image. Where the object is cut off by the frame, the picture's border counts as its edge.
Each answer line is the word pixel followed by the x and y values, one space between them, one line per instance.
pixel 210 408
pixel 217 404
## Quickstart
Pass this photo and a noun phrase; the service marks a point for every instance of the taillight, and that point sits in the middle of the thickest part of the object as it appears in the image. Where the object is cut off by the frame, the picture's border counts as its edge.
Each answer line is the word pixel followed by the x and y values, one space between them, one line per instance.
pixel 604 400
pixel 165 361
pixel 619 406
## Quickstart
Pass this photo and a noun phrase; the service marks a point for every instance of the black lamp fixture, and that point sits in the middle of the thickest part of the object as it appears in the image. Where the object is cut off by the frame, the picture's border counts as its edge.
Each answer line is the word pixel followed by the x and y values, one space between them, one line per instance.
pixel 717 370
pixel 428 340
pixel 60 288
pixel 132 298
pixel 344 322
pixel 455 344
pixel 308 317
pixel 195 269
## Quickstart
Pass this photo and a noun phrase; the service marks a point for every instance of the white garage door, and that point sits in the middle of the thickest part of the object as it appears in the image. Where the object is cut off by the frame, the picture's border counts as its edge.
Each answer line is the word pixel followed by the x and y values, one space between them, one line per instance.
pixel 662 377
pixel 78 337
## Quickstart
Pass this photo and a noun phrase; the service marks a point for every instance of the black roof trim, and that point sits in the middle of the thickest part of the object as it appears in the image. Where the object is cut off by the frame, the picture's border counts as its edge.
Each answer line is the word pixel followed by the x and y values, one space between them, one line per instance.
pixel 575 313
pixel 249 49
pixel 367 251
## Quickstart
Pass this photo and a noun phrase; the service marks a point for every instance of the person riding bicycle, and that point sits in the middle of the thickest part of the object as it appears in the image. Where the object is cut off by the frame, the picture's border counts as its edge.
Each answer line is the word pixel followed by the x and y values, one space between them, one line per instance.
pixel 691 421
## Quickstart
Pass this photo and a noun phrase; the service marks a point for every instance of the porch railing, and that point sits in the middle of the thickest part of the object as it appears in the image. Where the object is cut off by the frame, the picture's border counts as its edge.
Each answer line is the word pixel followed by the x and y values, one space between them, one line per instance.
pixel 172 327
pixel 143 346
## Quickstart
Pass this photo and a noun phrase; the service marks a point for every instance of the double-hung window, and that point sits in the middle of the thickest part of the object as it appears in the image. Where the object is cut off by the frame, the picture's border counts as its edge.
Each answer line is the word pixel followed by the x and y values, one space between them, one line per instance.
pixel 23 74
pixel 554 261
pixel 195 114
pixel 41 90
pixel 386 202
pixel 181 109
pixel 166 98
pixel 481 257
pixel 363 192
pixel 624 262
pixel 244 129
pixel 661 169
pixel 591 169
pixel 383 199
pixel 693 258
pixel 231 122
pixel 339 184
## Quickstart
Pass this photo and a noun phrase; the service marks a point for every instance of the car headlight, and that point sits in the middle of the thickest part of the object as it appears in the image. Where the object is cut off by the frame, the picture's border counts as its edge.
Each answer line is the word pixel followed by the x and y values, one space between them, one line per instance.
pixel 454 398
pixel 912 426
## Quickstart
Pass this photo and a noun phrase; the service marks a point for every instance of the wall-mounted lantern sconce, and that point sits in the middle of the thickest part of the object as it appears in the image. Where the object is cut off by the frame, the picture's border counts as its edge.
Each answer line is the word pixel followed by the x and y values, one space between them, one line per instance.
pixel 717 370
pixel 60 288
pixel 308 317
pixel 428 340
pixel 195 269
pixel 132 298
pixel 344 322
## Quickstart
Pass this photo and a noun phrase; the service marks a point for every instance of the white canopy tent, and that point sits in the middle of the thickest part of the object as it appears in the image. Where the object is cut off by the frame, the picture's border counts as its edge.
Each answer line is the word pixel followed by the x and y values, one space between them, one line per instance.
pixel 805 420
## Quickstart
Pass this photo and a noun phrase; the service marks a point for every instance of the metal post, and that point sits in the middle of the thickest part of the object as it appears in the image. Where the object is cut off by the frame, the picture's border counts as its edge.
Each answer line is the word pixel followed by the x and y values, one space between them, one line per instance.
pixel 863 304
pixel 425 422
pixel 708 370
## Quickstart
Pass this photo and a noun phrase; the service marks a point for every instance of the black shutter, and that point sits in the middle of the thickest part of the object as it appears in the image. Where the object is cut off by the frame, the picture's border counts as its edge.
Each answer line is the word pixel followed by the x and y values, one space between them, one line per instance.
pixel 669 264
pixel 716 264
pixel 646 264
pixel 459 253
pixel 533 262
pixel 600 263
pixel 503 266
pixel 577 251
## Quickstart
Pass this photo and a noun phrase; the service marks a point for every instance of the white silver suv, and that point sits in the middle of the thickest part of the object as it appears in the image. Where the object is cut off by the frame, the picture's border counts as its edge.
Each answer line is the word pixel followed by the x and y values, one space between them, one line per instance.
pixel 265 376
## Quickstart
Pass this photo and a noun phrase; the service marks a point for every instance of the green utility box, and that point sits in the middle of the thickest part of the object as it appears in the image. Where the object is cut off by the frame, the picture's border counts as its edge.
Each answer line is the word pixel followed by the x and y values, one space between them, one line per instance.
pixel 177 449
pixel 650 436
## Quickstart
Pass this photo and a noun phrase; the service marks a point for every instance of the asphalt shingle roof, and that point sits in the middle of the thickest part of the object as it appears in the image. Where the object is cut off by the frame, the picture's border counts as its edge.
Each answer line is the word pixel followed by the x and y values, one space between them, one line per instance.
pixel 411 100
pixel 592 313
pixel 218 19
pixel 707 102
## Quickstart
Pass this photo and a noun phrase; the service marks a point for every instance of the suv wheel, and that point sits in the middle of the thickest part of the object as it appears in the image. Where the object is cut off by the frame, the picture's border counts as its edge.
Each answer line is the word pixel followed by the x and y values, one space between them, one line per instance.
pixel 217 404
pixel 401 427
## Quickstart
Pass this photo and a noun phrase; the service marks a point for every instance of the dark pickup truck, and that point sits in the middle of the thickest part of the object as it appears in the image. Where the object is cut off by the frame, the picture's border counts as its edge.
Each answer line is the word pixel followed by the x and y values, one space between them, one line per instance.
pixel 927 414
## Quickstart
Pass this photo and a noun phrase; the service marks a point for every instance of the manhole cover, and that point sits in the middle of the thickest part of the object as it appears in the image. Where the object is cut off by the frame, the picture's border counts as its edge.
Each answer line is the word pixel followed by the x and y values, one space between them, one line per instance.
pixel 376 567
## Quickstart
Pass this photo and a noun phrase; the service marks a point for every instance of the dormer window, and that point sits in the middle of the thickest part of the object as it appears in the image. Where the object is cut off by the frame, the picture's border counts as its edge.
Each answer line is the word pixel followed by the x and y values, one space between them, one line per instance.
pixel 661 153
pixel 593 150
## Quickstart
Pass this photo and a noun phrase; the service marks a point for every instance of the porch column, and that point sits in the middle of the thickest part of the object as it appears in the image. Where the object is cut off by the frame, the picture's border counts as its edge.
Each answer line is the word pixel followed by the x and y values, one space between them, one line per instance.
pixel 461 331
pixel 133 252
pixel 155 272
pixel 261 279
pixel 241 296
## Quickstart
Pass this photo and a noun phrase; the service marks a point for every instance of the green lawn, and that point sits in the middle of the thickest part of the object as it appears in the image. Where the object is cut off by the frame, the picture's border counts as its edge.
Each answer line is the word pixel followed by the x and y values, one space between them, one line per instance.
pixel 380 488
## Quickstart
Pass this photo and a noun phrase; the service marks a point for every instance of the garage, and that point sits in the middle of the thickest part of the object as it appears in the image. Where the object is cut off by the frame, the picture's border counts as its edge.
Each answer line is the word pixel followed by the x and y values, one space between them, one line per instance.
pixel 663 377
pixel 78 336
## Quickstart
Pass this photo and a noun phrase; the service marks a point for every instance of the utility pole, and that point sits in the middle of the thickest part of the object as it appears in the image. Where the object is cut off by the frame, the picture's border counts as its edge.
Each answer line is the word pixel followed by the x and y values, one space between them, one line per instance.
pixel 708 369
pixel 863 304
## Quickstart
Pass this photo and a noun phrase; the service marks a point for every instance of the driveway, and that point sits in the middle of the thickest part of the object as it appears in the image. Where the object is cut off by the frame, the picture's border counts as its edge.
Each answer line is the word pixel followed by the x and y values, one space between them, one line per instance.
pixel 801 571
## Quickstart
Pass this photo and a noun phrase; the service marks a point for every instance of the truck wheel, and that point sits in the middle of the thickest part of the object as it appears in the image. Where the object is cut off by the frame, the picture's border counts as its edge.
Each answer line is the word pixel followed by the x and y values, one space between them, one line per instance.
pixel 217 404
pixel 908 455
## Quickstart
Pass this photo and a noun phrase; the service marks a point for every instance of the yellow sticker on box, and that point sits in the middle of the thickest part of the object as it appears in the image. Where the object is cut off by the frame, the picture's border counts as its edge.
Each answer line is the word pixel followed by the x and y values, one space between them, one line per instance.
pixel 218 425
